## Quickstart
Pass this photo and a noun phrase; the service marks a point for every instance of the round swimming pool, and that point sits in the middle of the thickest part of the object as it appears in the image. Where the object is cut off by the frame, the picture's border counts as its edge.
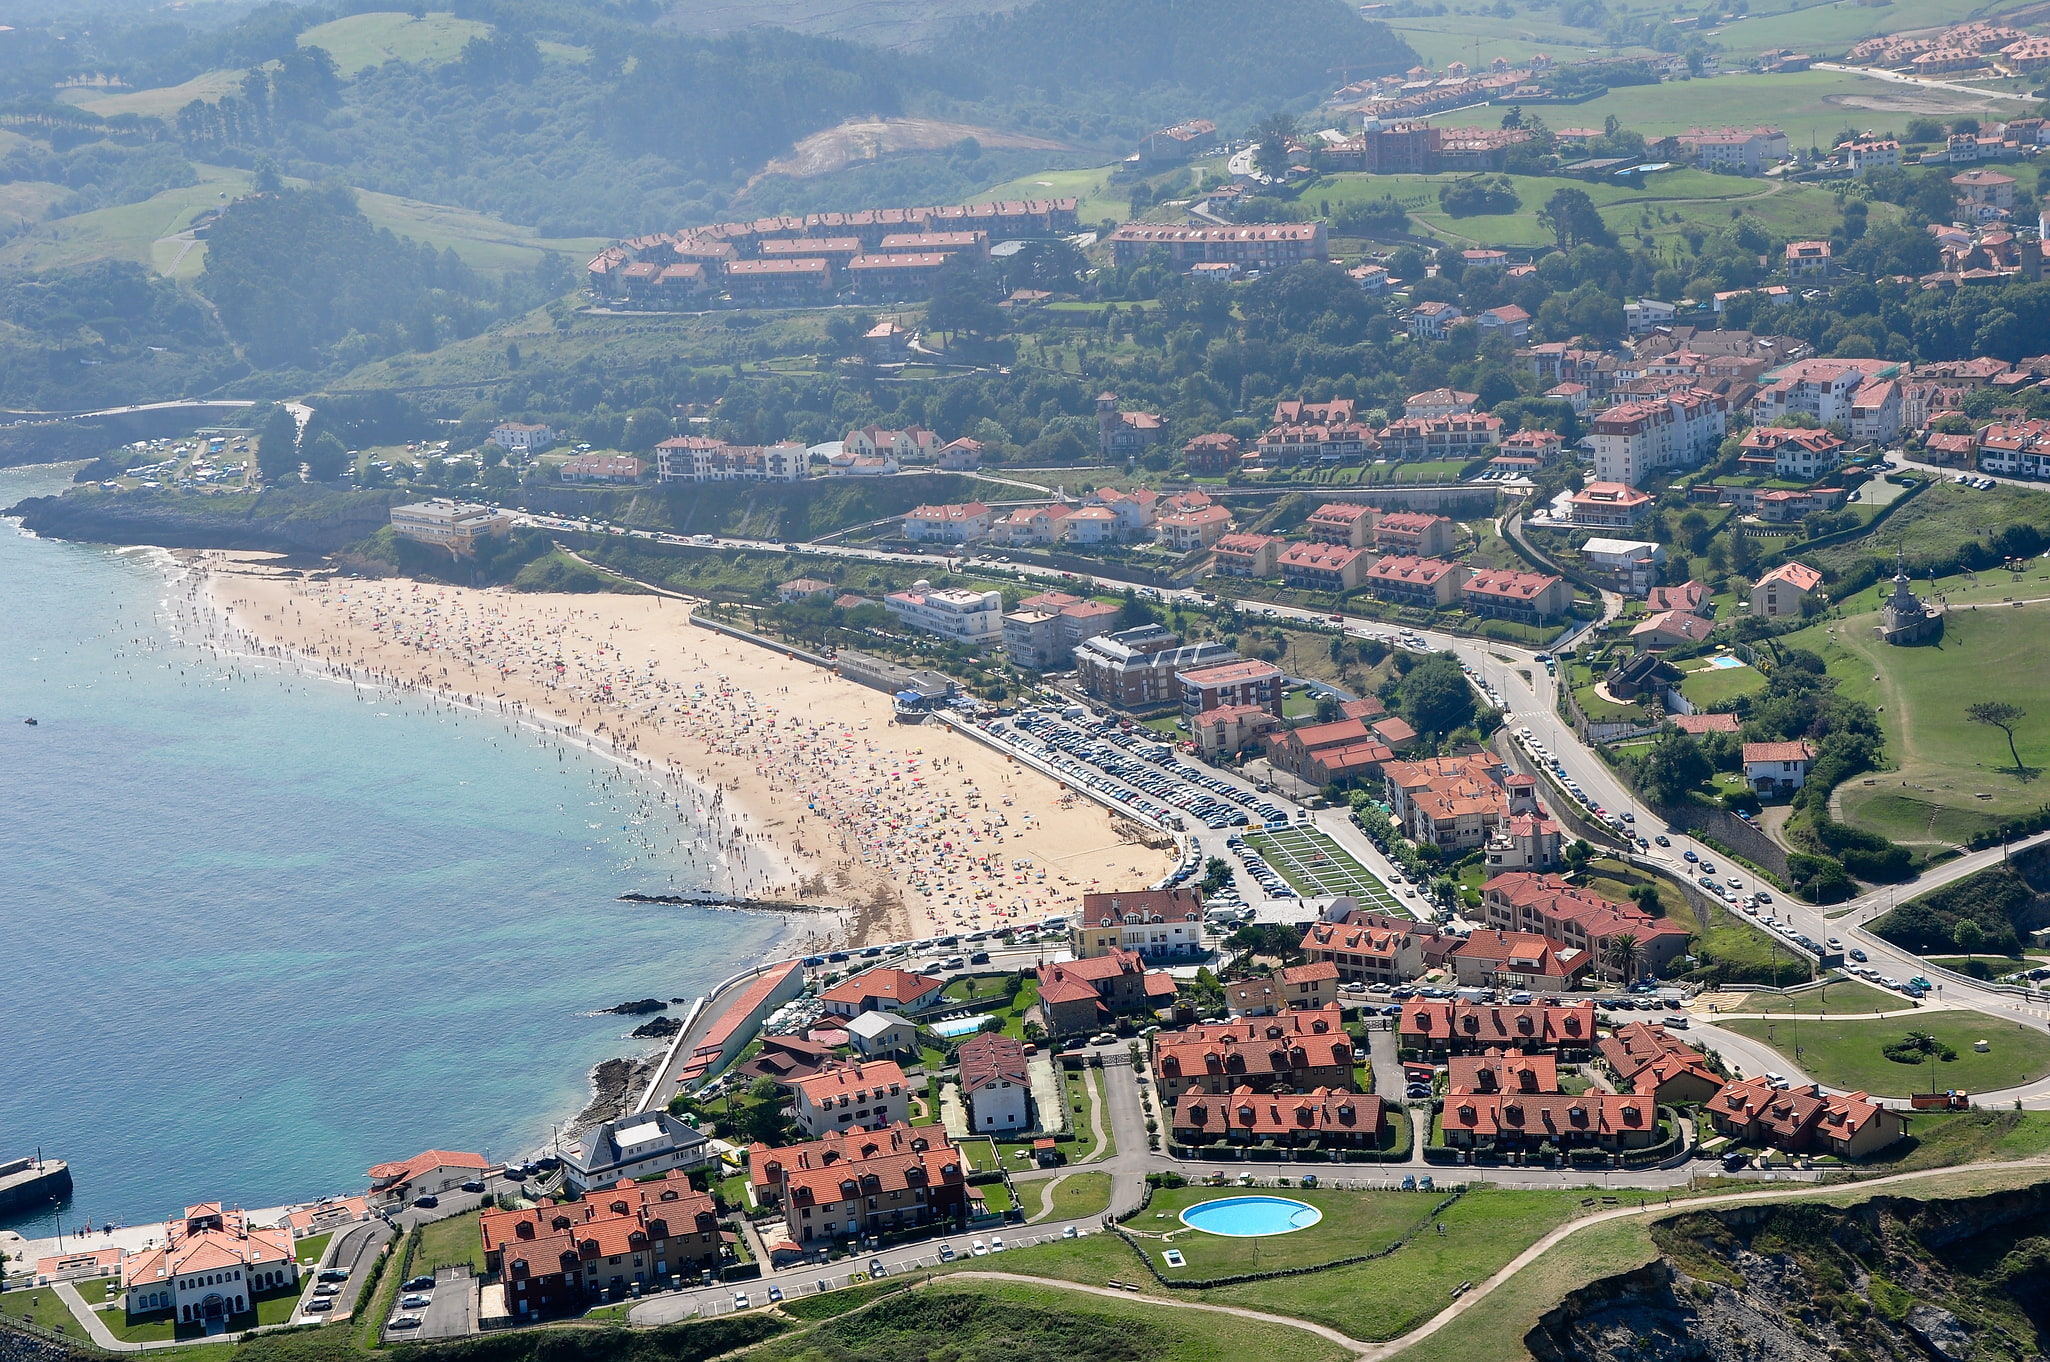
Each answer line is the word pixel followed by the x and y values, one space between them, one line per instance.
pixel 1242 1217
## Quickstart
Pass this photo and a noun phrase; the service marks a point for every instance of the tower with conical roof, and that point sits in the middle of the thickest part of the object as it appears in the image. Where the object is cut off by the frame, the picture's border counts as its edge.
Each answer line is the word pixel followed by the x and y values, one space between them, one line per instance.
pixel 1904 619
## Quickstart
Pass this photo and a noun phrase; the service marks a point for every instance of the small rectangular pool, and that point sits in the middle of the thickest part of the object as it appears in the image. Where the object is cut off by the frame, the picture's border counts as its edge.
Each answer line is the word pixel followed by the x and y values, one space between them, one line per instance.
pixel 955 1026
pixel 1725 663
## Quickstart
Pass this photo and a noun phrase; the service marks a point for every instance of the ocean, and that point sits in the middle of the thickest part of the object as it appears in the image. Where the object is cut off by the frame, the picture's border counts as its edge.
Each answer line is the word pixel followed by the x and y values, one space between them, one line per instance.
pixel 263 931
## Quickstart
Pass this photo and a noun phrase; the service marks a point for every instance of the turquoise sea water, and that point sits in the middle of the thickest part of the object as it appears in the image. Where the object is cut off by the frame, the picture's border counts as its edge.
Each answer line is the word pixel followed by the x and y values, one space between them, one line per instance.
pixel 259 932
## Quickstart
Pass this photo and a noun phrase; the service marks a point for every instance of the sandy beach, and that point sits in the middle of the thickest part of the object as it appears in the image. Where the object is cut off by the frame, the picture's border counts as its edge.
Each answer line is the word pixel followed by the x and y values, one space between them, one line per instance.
pixel 789 782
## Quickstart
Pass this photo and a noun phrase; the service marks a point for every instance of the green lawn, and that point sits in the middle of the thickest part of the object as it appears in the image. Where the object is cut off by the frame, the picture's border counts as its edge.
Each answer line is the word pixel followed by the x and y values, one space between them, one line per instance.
pixel 1826 27
pixel 1809 105
pixel 980 1153
pixel 365 40
pixel 42 1306
pixel 1943 763
pixel 446 1243
pixel 1841 997
pixel 996 1196
pixel 310 1249
pixel 1709 687
pixel 988 1319
pixel 1847 1054
pixel 163 102
pixel 96 1290
pixel 1087 186
pixel 1944 1139
pixel 1353 1223
pixel 1078 1194
pixel 1376 1300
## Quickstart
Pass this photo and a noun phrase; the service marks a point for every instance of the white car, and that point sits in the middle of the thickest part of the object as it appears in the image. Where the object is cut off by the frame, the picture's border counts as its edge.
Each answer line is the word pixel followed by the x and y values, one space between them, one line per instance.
pixel 996 1243
pixel 978 1248
pixel 740 1301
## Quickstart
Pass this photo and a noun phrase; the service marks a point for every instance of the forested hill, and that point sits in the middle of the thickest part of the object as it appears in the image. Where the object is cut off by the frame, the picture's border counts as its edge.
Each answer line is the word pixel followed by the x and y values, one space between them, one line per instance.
pixel 581 118
pixel 1141 64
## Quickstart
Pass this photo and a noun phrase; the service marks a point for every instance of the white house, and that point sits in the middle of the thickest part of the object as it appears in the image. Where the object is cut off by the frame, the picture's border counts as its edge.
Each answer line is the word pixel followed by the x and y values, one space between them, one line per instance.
pixel 972 618
pixel 995 1084
pixel 1647 315
pixel 1777 767
pixel 634 1147
pixel 1783 590
pixel 870 1095
pixel 521 437
pixel 954 523
pixel 1633 564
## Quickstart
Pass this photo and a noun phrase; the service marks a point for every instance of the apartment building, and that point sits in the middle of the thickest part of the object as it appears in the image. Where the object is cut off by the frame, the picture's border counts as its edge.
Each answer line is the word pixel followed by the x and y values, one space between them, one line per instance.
pixel 1257 246
pixel 1440 437
pixel 973 619
pixel 869 1095
pixel 1454 803
pixel 1347 524
pixel 1141 668
pixel 1299 1050
pixel 452 525
pixel 1247 555
pixel 1526 597
pixel 1154 924
pixel 1369 948
pixel 1547 906
pixel 696 458
pixel 1245 681
pixel 1416 534
pixel 951 524
pixel 1425 583
pixel 1679 429
pixel 1321 567
pixel 1044 631
pixel 1784 590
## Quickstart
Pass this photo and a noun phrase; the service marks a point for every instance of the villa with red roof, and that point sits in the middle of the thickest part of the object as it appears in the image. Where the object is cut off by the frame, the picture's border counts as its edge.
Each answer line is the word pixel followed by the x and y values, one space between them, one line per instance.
pixel 209 1269
pixel 1082 995
pixel 1298 1049
pixel 430 1171
pixel 1325 1117
pixel 862 1182
pixel 882 990
pixel 1570 916
pixel 559 1256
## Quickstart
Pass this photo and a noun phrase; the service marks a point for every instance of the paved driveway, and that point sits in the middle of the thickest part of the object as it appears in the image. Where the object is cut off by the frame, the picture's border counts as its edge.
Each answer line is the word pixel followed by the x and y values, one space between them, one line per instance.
pixel 453 1311
pixel 353 1250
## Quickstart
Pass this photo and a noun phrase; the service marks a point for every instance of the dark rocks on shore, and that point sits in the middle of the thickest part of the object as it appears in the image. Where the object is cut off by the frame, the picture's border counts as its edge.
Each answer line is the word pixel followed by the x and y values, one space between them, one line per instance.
pixel 659 1029
pixel 613 1085
pixel 710 901
pixel 634 1009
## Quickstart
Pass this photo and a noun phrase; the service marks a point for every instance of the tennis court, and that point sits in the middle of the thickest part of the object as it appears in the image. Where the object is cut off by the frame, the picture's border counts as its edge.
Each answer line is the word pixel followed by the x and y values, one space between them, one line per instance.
pixel 1318 867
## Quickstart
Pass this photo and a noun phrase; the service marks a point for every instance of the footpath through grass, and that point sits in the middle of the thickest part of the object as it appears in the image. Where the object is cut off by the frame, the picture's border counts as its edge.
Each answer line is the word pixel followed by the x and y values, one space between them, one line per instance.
pixel 1847 1054
pixel 1837 998
pixel 1376 1300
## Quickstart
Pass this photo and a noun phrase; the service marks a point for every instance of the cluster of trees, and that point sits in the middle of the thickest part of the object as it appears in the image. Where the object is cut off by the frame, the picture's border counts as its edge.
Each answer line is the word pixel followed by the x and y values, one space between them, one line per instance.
pixel 1479 194
pixel 300 276
pixel 1980 913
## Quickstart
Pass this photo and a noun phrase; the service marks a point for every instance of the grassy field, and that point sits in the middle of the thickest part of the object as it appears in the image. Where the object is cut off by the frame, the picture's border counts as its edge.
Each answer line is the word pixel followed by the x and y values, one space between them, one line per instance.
pixel 1951 777
pixel 1078 1194
pixel 309 1249
pixel 1946 1139
pixel 1088 187
pixel 1316 865
pixel 446 1243
pixel 1827 27
pixel 1353 1223
pixel 1709 687
pixel 1841 997
pixel 162 102
pixel 983 1319
pixel 1812 106
pixel 41 1306
pixel 1938 520
pixel 146 232
pixel 1655 213
pixel 1847 1054
pixel 365 40
pixel 1478 39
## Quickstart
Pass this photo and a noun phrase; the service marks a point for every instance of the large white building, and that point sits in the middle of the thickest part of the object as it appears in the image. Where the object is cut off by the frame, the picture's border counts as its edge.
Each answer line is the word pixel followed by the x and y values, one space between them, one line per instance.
pixel 452 525
pixel 634 1147
pixel 1861 394
pixel 698 458
pixel 972 618
pixel 1673 430
pixel 210 1267
pixel 995 1083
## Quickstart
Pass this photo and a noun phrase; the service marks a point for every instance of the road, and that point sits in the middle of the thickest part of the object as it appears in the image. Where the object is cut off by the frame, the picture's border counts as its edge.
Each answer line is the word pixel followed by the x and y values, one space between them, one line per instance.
pixel 1528 694
pixel 1897 78
pixel 352 1250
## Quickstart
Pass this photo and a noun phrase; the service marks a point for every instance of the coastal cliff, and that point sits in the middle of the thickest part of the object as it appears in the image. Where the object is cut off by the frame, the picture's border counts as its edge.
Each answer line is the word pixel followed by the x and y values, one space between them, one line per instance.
pixel 1890 1278
pixel 284 520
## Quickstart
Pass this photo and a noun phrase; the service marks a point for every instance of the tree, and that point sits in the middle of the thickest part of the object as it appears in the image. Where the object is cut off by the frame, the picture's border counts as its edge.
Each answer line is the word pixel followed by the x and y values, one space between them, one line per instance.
pixel 1674 766
pixel 1435 695
pixel 1572 219
pixel 1646 897
pixel 326 457
pixel 277 448
pixel 1271 138
pixel 1969 936
pixel 963 299
pixel 1578 853
pixel 1133 612
pixel 2003 715
pixel 645 428
pixel 1620 954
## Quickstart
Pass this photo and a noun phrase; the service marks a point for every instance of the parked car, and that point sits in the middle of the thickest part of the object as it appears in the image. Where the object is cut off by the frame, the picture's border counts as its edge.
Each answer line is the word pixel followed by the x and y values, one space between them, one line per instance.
pixel 318 1304
pixel 741 1302
pixel 406 1322
pixel 420 1283
pixel 427 1203
pixel 775 1295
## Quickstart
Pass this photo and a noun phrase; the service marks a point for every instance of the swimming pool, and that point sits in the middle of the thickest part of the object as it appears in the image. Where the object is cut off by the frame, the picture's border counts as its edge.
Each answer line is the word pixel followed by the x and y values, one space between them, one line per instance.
pixel 955 1026
pixel 1726 662
pixel 1242 1217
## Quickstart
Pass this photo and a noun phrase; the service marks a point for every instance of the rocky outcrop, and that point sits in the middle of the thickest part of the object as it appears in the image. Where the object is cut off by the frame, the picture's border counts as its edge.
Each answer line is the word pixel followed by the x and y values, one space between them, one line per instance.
pixel 1891 1279
pixel 640 1008
pixel 284 521
pixel 662 1028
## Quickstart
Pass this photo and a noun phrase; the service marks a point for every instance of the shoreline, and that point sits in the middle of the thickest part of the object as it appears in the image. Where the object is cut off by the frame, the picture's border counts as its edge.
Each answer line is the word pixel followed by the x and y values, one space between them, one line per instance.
pixel 812 793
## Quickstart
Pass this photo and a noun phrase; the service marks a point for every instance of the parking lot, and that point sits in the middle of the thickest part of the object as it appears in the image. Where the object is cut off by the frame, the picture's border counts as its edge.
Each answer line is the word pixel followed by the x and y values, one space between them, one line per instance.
pixel 1319 867
pixel 353 1251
